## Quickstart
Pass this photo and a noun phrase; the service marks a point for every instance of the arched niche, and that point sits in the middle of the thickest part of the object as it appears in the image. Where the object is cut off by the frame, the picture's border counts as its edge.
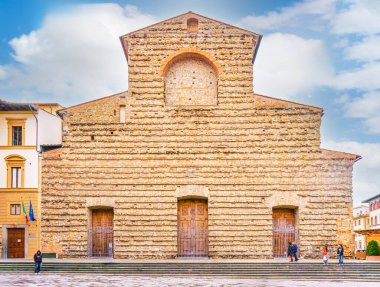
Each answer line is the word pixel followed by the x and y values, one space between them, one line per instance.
pixel 191 79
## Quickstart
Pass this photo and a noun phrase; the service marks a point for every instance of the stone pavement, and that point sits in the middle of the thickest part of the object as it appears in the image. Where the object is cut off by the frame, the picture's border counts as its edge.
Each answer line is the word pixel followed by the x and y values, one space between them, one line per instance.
pixel 83 280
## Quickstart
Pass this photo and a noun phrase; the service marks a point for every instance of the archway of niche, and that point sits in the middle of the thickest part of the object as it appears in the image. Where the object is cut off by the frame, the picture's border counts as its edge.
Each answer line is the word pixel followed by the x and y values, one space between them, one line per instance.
pixel 186 52
pixel 191 78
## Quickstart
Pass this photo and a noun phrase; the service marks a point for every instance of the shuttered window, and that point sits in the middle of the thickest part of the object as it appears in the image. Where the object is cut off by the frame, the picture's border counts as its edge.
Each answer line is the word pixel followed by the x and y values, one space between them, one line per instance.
pixel 16 177
pixel 15 209
pixel 16 135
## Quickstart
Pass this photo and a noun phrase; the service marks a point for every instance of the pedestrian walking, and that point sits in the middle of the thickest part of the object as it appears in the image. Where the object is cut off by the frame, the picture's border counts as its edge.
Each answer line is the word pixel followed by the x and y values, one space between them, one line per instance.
pixel 325 253
pixel 290 251
pixel 37 262
pixel 340 252
pixel 295 251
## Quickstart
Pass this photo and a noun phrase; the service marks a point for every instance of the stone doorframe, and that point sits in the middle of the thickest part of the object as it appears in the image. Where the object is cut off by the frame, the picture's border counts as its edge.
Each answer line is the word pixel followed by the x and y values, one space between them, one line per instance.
pixel 192 191
pixel 286 233
pixel 4 241
pixel 290 200
pixel 97 203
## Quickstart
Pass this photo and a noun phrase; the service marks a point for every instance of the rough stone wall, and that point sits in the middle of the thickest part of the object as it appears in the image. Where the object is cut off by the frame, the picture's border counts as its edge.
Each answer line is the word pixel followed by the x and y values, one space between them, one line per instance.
pixel 247 154
pixel 105 110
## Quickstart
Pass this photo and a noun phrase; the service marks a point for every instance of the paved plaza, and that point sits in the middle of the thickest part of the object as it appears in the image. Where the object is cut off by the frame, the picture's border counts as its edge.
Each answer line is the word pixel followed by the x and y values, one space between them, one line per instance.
pixel 85 280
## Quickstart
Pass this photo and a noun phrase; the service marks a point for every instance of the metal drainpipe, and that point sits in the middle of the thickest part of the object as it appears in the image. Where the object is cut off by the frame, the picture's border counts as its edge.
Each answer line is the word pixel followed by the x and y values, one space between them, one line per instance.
pixel 39 185
pixel 30 107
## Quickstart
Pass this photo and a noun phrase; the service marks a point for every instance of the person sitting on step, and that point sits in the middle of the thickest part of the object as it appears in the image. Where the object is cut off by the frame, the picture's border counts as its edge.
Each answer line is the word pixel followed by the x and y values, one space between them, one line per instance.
pixel 290 251
pixel 295 251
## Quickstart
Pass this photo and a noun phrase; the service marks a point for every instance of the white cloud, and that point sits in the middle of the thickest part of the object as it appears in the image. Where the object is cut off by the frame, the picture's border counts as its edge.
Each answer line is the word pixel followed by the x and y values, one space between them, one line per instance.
pixel 349 17
pixel 287 65
pixel 364 78
pixel 366 180
pixel 365 50
pixel 366 107
pixel 342 99
pixel 3 73
pixel 300 12
pixel 76 55
pixel 359 17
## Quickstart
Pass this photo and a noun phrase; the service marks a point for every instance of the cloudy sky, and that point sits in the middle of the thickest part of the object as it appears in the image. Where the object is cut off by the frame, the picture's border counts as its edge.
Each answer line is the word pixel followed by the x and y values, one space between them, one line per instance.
pixel 320 52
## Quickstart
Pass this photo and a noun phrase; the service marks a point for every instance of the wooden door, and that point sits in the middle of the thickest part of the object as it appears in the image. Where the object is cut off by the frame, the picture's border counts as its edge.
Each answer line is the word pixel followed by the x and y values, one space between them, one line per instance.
pixel 192 227
pixel 16 243
pixel 102 232
pixel 283 231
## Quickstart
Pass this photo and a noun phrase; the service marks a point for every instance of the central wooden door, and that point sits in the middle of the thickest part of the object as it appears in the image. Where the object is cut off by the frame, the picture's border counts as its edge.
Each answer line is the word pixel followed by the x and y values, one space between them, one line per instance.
pixel 192 227
pixel 16 243
pixel 102 232
pixel 284 231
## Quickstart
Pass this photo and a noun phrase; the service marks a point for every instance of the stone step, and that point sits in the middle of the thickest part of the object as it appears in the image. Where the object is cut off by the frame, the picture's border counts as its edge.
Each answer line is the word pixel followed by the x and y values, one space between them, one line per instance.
pixel 279 270
pixel 331 268
pixel 298 264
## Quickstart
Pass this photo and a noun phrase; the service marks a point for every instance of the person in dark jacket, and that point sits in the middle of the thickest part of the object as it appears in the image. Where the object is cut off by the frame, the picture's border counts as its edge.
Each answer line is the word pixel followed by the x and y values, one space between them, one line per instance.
pixel 37 262
pixel 340 252
pixel 290 251
pixel 295 250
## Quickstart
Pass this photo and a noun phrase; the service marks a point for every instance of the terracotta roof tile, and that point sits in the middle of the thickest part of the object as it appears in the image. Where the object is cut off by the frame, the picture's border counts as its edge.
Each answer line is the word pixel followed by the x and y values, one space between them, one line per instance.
pixel 339 155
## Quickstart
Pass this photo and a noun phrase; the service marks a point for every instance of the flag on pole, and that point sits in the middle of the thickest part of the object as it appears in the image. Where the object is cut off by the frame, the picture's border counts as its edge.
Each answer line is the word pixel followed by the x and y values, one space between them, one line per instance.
pixel 24 210
pixel 31 212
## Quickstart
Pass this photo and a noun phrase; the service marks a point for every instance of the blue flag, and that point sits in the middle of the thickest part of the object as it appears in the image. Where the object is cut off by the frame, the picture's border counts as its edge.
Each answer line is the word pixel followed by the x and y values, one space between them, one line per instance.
pixel 31 212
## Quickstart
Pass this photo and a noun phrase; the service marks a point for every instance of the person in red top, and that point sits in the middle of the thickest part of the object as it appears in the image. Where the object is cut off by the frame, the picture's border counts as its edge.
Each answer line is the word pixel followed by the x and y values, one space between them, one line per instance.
pixel 325 253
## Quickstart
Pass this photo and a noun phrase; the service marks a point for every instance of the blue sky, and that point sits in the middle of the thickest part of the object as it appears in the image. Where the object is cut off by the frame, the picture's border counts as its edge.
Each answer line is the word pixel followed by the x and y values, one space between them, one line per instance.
pixel 319 52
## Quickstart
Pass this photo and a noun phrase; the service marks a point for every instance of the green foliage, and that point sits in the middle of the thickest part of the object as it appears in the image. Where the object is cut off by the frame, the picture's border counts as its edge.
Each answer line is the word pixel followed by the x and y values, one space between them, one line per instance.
pixel 372 248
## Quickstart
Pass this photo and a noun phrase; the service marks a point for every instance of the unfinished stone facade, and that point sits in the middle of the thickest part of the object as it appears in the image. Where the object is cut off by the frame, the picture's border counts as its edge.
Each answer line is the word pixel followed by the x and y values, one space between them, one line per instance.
pixel 204 136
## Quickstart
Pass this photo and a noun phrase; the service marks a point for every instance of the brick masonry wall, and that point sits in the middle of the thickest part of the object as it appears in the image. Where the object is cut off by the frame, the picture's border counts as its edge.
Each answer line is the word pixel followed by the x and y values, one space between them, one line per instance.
pixel 247 154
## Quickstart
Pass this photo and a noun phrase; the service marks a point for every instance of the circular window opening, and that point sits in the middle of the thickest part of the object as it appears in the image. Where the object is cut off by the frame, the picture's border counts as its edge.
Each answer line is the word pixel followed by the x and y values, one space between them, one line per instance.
pixel 192 25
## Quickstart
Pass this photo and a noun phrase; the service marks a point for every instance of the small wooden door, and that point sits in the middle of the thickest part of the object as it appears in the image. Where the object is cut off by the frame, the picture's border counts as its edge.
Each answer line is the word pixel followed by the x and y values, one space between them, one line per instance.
pixel 192 227
pixel 102 232
pixel 16 243
pixel 283 231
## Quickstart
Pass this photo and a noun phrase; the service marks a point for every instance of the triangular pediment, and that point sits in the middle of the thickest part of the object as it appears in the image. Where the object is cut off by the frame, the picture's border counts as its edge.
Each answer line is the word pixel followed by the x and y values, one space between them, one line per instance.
pixel 159 26
pixel 178 26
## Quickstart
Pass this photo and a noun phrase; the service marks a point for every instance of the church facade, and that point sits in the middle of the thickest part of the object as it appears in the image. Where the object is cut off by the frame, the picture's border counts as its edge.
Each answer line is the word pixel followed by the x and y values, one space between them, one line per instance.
pixel 191 162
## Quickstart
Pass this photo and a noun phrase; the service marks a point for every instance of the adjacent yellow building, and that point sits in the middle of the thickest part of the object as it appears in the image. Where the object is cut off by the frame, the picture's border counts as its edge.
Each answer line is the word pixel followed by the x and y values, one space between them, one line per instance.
pixel 24 128
pixel 361 222
pixel 372 231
